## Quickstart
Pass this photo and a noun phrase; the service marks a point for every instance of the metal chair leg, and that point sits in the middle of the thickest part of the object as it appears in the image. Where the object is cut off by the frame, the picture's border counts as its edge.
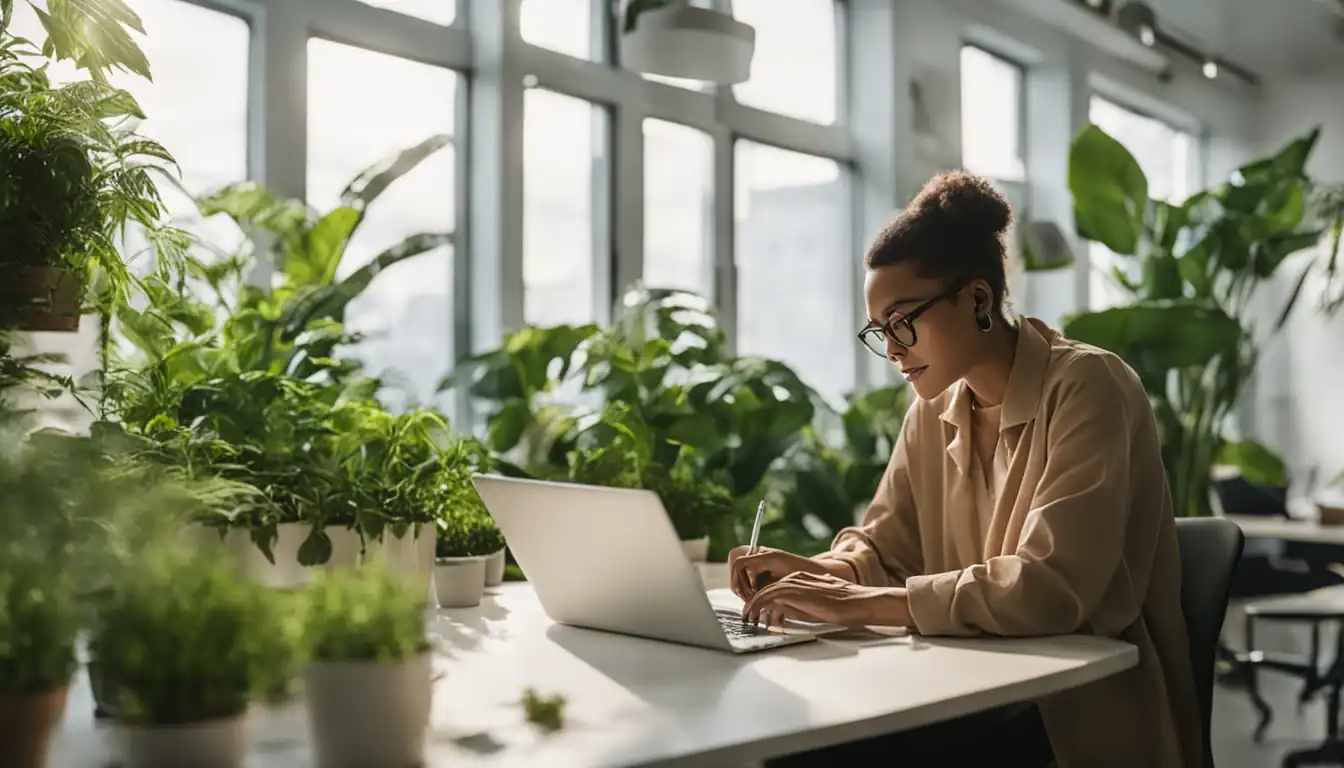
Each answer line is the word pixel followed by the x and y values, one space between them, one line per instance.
pixel 1253 687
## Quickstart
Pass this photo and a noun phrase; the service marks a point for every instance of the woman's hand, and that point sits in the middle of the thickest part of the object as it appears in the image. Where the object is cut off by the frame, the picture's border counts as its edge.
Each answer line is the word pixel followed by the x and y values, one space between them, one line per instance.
pixel 749 573
pixel 828 599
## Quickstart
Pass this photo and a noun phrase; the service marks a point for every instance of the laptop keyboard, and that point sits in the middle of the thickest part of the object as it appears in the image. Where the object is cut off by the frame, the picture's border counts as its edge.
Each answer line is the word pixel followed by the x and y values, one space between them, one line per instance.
pixel 735 628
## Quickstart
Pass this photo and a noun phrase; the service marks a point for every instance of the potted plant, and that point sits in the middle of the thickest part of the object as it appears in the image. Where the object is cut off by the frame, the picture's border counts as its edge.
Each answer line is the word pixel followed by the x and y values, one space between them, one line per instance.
pixel 39 622
pixel 1192 269
pixel 468 538
pixel 72 174
pixel 183 642
pixel 368 683
pixel 691 502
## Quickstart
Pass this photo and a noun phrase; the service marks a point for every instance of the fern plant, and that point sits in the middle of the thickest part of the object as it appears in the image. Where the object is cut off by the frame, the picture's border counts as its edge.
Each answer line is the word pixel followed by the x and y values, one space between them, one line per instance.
pixel 73 171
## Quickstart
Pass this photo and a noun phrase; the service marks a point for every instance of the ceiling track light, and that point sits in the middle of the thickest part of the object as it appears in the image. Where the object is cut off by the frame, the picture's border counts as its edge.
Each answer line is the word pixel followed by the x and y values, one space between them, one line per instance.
pixel 1138 19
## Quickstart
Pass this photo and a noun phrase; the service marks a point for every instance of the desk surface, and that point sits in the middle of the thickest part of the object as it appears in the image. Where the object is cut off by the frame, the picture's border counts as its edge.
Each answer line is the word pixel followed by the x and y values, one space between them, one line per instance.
pixel 642 702
pixel 1289 529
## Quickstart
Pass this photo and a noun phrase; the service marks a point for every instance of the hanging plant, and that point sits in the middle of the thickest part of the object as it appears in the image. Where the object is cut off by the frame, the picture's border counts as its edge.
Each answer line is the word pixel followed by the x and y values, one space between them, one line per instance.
pixel 73 171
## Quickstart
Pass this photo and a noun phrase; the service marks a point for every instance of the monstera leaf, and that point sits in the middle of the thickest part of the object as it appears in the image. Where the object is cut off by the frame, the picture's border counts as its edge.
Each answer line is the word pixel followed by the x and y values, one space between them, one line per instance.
pixel 1110 192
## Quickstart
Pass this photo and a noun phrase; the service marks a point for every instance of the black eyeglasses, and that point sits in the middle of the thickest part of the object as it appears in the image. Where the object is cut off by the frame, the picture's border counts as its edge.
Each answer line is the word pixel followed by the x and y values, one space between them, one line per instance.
pixel 900 326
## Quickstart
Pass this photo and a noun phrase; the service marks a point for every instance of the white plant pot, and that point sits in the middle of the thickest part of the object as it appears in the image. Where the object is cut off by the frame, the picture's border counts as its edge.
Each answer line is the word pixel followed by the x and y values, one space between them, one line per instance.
pixel 696 550
pixel 367 713
pixel 411 554
pixel 494 569
pixel 459 582
pixel 211 744
pixel 286 572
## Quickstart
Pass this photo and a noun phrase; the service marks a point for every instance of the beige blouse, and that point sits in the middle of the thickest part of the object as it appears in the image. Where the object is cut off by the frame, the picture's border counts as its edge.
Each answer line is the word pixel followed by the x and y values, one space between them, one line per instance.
pixel 1070 531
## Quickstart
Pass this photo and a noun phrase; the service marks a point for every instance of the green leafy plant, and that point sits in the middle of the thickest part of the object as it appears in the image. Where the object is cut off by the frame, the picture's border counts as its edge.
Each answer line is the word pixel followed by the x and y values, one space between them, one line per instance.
pixel 183 638
pixel 664 360
pixel 365 615
pixel 1188 331
pixel 545 712
pixel 468 532
pixel 73 172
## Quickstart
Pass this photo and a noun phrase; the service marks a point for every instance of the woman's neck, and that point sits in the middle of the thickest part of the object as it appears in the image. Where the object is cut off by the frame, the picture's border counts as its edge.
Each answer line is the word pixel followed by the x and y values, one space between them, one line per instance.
pixel 988 379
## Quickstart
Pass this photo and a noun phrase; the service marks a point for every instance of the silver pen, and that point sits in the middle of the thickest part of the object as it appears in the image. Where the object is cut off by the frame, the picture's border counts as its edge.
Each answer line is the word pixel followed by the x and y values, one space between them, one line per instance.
pixel 756 528
pixel 755 536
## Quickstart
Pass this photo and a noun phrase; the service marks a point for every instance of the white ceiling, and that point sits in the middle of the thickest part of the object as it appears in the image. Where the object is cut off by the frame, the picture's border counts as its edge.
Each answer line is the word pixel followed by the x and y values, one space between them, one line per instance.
pixel 1274 38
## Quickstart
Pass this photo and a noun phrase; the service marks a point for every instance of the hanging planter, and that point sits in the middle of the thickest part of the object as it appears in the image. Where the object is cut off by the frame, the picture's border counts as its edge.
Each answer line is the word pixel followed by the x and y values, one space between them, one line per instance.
pixel 673 38
pixel 40 299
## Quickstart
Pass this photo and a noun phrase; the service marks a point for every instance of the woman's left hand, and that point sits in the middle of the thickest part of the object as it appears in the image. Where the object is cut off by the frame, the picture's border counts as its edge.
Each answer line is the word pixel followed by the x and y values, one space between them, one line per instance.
pixel 810 597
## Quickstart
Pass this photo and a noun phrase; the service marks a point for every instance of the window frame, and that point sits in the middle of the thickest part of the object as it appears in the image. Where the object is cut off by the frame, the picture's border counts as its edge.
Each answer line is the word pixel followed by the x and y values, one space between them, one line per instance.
pixel 484 46
pixel 1023 72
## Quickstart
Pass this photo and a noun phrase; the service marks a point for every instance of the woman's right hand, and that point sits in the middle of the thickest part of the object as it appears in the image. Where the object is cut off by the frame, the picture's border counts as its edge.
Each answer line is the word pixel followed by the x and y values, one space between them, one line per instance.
pixel 748 574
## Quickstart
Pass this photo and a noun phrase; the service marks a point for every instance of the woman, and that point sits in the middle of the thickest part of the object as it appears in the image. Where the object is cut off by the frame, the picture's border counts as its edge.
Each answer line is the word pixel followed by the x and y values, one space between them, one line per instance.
pixel 1025 496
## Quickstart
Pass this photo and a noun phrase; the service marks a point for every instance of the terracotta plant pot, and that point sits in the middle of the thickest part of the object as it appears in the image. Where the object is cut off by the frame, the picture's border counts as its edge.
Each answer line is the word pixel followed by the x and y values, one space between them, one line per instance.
pixel 1330 514
pixel 26 725
pixel 40 299
pixel 366 713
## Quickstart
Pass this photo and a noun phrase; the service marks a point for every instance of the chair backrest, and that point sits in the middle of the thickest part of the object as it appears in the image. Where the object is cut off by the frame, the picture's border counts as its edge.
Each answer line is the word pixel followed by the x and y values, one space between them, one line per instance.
pixel 1210 548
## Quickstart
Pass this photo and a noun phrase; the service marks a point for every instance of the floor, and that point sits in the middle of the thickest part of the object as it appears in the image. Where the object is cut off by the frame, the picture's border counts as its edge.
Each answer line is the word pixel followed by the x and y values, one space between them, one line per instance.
pixel 1234 719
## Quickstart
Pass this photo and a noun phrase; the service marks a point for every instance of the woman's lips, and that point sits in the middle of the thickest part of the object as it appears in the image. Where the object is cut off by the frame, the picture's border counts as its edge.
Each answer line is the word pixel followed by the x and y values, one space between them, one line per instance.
pixel 911 374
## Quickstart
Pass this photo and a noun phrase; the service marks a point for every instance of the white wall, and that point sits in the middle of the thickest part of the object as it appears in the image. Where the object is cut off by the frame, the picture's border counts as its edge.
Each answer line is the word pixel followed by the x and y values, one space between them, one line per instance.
pixel 1063 72
pixel 1296 405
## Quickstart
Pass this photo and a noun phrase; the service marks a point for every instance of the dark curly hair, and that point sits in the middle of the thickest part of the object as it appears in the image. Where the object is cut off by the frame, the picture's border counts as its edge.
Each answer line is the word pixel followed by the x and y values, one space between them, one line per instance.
pixel 953 229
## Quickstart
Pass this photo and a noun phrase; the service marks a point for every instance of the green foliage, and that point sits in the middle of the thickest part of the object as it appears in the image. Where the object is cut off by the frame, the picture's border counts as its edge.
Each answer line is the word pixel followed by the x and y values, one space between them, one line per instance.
pixel 545 712
pixel 468 531
pixel 1188 331
pixel 73 172
pixel 665 365
pixel 1257 463
pixel 183 638
pixel 93 34
pixel 365 615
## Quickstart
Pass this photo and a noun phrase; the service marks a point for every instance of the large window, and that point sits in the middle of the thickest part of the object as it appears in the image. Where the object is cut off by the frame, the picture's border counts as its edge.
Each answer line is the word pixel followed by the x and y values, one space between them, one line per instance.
pixel 991 115
pixel 563 152
pixel 678 207
pixel 560 25
pixel 1168 157
pixel 358 114
pixel 794 70
pixel 795 266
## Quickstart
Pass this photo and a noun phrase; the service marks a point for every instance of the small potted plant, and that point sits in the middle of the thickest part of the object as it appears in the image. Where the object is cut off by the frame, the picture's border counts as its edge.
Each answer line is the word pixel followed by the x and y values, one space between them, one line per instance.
pixel 39 621
pixel 693 504
pixel 467 540
pixel 183 643
pixel 368 681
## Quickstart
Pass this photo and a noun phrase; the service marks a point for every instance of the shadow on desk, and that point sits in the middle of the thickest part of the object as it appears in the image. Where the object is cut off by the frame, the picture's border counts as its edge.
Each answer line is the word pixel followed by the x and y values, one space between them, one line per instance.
pixel 462 630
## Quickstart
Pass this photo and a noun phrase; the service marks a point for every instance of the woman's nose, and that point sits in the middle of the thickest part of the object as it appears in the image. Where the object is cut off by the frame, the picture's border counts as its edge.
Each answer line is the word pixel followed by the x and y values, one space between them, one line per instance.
pixel 894 351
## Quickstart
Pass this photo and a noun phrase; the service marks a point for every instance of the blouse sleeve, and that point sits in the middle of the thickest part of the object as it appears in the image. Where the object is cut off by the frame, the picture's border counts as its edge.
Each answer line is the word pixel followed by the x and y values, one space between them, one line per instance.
pixel 885 549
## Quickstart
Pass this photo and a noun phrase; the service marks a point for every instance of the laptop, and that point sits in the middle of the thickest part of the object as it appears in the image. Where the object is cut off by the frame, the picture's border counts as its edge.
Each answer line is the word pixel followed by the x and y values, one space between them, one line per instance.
pixel 609 559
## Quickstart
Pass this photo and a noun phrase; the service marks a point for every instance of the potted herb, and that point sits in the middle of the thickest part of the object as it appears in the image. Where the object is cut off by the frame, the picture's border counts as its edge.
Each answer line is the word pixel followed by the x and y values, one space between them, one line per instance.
pixel 402 466
pixel 468 539
pixel 72 173
pixel 183 643
pixel 39 621
pixel 368 683
pixel 692 503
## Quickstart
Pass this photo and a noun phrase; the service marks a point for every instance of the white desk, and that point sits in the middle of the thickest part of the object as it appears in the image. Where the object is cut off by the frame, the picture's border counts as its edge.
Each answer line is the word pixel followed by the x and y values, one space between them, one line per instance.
pixel 642 702
pixel 1285 529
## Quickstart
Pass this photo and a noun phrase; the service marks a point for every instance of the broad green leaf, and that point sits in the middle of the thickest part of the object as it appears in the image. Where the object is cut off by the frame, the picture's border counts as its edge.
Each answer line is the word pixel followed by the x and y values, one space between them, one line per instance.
pixel 1257 463
pixel 1110 192
pixel 372 181
pixel 1156 337
pixel 312 259
pixel 331 301
pixel 506 427
pixel 316 549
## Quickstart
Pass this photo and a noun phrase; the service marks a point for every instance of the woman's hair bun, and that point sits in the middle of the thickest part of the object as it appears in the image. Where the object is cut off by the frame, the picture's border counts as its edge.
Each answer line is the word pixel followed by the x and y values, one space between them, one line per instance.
pixel 967 202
